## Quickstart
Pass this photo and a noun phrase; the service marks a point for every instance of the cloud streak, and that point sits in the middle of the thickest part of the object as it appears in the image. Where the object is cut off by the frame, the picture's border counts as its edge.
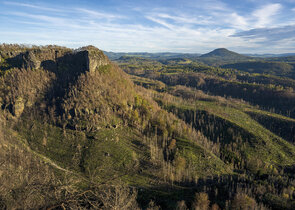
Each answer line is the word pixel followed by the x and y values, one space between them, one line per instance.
pixel 32 6
pixel 269 34
pixel 99 15
pixel 264 15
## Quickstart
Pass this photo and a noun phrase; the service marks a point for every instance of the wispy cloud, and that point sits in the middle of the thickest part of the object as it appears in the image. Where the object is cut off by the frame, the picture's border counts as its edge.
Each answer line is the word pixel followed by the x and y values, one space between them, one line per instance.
pixel 238 21
pixel 160 22
pixel 52 20
pixel 209 5
pixel 183 19
pixel 32 6
pixel 264 15
pixel 99 15
pixel 269 35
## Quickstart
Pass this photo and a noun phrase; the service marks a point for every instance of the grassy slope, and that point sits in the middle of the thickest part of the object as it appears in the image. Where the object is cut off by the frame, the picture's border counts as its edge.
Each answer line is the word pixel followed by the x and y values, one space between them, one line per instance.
pixel 266 146
pixel 270 141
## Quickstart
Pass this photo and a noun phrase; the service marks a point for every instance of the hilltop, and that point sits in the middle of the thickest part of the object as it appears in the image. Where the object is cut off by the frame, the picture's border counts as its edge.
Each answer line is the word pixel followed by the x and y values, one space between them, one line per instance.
pixel 221 56
pixel 224 54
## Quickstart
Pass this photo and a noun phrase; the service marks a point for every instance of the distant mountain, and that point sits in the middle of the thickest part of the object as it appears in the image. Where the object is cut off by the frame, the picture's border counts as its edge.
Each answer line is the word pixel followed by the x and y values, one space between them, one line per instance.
pixel 264 67
pixel 128 58
pixel 262 55
pixel 113 55
pixel 222 56
pixel 223 53
pixel 136 60
pixel 288 59
pixel 271 55
pixel 155 56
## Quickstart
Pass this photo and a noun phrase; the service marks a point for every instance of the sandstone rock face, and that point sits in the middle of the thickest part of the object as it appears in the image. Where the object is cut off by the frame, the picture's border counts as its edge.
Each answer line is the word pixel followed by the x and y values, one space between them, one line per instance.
pixel 30 61
pixel 62 66
pixel 86 59
pixel 96 58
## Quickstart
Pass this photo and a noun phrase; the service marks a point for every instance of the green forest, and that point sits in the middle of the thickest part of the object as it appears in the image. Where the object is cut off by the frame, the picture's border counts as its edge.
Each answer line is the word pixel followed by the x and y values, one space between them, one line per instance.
pixel 81 130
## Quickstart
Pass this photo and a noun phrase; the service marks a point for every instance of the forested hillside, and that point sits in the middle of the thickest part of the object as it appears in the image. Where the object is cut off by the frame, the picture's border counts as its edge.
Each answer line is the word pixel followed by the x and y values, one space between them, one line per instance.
pixel 79 131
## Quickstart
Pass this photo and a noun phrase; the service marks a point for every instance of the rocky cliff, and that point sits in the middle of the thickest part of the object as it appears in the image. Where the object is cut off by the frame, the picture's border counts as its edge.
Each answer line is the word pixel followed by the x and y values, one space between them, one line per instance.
pixel 54 58
pixel 42 72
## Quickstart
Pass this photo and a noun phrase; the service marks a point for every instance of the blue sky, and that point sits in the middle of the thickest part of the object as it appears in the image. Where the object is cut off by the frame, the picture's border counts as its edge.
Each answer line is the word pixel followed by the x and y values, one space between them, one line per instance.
pixel 195 26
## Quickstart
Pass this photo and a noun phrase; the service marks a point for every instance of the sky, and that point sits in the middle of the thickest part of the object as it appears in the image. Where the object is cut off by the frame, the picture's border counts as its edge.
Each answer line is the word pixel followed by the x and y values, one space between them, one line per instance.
pixel 188 26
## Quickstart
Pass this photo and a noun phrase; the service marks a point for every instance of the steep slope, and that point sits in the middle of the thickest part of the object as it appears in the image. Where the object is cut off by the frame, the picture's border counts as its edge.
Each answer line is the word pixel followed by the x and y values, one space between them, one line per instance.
pixel 242 141
pixel 29 180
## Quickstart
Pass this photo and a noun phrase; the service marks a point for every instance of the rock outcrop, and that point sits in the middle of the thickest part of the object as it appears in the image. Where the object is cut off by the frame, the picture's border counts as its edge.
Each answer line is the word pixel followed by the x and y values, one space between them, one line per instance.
pixel 58 66
pixel 96 58
pixel 56 58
